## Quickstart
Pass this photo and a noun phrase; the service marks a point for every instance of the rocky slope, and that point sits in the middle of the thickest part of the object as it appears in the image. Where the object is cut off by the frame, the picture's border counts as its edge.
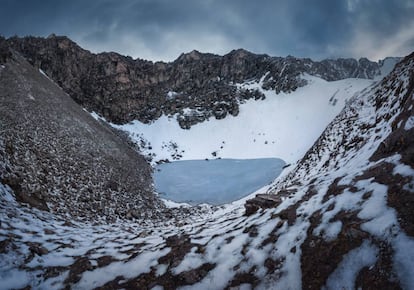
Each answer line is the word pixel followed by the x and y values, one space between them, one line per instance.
pixel 122 89
pixel 56 157
pixel 342 219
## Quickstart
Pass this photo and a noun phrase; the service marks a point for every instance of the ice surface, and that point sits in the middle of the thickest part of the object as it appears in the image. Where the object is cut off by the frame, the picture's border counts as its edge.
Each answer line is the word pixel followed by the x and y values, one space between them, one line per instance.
pixel 215 181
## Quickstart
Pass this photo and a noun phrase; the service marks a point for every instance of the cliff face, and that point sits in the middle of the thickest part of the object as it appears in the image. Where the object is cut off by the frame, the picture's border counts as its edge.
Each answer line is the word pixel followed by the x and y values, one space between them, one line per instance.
pixel 56 157
pixel 122 89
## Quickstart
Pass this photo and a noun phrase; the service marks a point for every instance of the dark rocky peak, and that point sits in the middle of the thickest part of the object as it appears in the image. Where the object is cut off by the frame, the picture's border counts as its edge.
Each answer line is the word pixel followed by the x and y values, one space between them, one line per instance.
pixel 240 54
pixel 5 52
pixel 195 56
pixel 53 45
pixel 191 56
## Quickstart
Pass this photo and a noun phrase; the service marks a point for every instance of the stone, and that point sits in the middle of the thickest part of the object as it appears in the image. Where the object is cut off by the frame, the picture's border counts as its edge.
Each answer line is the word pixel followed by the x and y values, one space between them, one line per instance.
pixel 261 201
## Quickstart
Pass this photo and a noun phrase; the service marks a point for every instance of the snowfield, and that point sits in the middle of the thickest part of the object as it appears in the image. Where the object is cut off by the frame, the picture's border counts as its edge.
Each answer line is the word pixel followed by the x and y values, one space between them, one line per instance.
pixel 283 125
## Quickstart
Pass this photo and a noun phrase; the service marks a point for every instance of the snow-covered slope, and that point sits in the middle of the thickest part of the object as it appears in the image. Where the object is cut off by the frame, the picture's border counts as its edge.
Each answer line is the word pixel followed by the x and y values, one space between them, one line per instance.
pixel 283 125
pixel 344 220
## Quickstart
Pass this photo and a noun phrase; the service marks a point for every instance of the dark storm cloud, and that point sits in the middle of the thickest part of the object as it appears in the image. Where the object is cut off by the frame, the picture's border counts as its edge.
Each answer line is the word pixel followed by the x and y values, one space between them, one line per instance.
pixel 162 29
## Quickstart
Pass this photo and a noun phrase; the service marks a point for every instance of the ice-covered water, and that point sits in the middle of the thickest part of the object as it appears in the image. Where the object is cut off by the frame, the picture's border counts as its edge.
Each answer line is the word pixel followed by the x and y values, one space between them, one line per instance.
pixel 215 181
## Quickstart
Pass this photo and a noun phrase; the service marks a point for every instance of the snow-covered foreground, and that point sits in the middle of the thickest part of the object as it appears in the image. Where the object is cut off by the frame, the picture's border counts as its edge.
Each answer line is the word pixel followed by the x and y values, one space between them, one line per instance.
pixel 283 125
pixel 344 221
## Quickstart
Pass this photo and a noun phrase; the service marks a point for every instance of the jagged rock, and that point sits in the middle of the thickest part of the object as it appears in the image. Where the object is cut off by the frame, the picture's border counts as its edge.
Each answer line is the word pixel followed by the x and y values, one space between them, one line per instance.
pixel 122 89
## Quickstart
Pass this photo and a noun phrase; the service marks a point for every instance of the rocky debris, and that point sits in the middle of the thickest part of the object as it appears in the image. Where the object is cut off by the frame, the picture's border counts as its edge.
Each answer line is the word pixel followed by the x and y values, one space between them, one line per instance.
pixel 122 89
pixel 267 200
pixel 261 201
pixel 37 249
pixel 5 52
pixel 56 157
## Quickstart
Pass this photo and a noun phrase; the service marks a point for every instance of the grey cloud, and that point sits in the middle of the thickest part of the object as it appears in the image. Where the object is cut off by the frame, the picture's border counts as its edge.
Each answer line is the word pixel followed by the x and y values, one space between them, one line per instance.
pixel 162 29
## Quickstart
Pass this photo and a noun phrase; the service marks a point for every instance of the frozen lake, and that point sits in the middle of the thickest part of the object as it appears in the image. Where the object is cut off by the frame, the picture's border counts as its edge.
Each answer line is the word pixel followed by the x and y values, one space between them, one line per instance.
pixel 215 181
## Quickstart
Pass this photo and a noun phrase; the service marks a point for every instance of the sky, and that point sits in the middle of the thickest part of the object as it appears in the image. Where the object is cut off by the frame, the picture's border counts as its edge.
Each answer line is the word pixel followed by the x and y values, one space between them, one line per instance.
pixel 163 29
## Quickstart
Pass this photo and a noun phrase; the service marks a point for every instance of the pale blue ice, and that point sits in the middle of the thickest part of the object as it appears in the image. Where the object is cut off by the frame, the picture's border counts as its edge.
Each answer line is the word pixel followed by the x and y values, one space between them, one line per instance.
pixel 215 181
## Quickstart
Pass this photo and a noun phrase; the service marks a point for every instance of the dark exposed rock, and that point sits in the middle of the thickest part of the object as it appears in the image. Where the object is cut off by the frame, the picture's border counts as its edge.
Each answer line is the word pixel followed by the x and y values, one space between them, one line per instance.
pixel 4 245
pixel 37 249
pixel 5 52
pixel 334 189
pixel 81 265
pixel 261 201
pixel 400 192
pixel 289 214
pixel 381 275
pixel 180 246
pixel 319 257
pixel 243 278
pixel 122 89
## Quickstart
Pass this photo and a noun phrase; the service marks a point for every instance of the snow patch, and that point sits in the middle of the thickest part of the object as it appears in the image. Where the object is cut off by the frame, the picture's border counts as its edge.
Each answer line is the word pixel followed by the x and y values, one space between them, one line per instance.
pixel 14 279
pixel 404 260
pixel 345 275
pixel 171 95
pixel 409 124
pixel 43 73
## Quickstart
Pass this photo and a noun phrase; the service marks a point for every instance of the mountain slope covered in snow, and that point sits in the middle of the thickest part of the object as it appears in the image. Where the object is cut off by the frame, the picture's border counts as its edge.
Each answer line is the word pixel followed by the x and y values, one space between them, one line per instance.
pixel 341 219
pixel 281 125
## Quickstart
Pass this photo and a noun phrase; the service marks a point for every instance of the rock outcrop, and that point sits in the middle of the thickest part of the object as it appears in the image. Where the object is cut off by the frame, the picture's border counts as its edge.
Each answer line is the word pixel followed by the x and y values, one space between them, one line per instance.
pixel 196 86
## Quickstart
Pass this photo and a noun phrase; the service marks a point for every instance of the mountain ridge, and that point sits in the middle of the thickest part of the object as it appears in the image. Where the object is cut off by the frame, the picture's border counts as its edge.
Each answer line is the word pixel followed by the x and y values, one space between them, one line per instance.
pixel 122 89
